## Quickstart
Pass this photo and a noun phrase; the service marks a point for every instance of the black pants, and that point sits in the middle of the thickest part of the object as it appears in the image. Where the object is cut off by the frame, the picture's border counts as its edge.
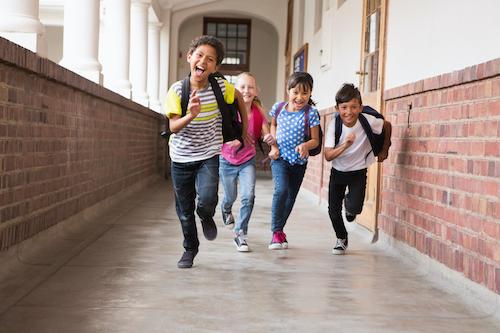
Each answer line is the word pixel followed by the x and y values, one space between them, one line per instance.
pixel 355 182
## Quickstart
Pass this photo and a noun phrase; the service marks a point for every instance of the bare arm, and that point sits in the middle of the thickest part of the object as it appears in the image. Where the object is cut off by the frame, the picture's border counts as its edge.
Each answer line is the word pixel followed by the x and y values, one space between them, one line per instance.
pixel 176 122
pixel 275 152
pixel 303 149
pixel 333 153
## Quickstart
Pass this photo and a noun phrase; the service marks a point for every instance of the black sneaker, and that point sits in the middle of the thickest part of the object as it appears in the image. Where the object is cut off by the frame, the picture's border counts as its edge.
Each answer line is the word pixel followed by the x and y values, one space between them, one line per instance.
pixel 349 216
pixel 228 219
pixel 186 260
pixel 209 228
pixel 340 246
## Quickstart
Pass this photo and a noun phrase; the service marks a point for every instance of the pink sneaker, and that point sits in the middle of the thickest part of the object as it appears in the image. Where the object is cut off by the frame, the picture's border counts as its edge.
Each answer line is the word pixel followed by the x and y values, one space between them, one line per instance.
pixel 284 242
pixel 276 241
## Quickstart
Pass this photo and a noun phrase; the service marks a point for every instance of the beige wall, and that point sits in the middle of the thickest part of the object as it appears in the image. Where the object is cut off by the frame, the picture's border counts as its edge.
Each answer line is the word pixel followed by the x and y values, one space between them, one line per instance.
pixel 54 38
pixel 339 37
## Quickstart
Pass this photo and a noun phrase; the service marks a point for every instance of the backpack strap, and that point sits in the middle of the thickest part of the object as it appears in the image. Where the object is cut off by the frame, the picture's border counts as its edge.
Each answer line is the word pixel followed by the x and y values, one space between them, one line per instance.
pixel 307 129
pixel 278 110
pixel 368 131
pixel 185 92
pixel 338 128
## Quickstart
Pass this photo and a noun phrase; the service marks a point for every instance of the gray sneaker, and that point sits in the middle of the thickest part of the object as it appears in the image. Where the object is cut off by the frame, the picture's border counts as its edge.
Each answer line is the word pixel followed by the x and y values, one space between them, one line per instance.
pixel 340 246
pixel 241 244
pixel 228 219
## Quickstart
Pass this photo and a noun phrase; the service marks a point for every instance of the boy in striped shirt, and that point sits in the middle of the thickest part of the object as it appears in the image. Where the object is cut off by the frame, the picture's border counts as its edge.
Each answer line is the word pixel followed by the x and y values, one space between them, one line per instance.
pixel 196 143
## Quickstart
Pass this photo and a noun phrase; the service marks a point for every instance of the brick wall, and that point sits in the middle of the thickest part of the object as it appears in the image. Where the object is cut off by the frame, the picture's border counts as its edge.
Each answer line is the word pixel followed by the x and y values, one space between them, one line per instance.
pixel 441 184
pixel 66 144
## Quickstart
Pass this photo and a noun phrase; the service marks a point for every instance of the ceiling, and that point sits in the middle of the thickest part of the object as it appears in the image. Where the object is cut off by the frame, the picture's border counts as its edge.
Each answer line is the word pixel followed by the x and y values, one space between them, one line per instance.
pixel 182 4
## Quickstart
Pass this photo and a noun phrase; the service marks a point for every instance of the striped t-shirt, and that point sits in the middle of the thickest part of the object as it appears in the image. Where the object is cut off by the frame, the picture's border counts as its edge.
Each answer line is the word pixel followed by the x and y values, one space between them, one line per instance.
pixel 201 139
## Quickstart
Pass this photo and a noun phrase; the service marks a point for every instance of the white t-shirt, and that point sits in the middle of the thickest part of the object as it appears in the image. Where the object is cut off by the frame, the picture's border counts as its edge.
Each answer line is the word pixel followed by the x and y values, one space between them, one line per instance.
pixel 359 155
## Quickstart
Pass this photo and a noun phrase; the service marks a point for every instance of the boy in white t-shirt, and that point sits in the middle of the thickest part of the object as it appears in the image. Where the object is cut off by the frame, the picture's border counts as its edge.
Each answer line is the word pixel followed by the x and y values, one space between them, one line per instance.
pixel 350 159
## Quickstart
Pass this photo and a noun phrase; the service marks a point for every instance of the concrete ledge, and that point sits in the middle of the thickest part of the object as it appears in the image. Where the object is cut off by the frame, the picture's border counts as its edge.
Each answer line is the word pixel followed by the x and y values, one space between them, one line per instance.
pixel 472 294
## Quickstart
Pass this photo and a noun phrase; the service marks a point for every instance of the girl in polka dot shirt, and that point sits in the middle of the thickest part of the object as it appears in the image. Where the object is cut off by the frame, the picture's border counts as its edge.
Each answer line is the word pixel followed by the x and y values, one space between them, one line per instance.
pixel 289 154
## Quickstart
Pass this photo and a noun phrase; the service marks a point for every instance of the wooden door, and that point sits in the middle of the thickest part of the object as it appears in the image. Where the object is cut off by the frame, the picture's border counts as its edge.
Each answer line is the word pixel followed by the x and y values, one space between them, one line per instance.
pixel 371 86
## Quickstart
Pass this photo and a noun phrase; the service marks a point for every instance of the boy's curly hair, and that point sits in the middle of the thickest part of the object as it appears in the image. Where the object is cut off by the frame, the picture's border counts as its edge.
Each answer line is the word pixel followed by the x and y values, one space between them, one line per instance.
pixel 347 93
pixel 208 40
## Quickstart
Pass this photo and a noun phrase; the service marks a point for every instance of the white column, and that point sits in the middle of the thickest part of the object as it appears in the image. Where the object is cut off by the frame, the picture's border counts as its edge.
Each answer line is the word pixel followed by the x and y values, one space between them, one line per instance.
pixel 139 50
pixel 20 23
pixel 81 38
pixel 154 65
pixel 165 53
pixel 117 46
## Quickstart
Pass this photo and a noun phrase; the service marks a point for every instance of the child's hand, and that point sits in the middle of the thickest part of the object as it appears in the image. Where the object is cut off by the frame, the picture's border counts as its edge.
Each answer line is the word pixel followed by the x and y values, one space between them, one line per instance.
pixel 349 139
pixel 274 154
pixel 302 150
pixel 234 143
pixel 194 105
pixel 269 139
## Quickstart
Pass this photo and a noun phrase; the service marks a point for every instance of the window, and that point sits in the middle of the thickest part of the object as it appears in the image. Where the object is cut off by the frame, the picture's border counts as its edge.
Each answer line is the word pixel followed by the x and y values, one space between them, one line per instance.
pixel 371 47
pixel 235 35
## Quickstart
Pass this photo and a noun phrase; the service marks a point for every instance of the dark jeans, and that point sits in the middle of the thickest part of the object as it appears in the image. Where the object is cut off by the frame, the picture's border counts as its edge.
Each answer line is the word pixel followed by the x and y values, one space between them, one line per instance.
pixel 287 180
pixel 355 181
pixel 200 178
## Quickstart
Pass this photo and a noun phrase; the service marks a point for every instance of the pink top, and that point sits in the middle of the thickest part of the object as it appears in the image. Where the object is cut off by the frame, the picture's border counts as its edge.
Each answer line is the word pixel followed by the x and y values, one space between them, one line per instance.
pixel 231 154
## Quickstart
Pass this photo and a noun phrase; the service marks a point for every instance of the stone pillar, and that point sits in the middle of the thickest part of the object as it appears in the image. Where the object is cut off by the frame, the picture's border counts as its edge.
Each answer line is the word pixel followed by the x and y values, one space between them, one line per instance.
pixel 117 46
pixel 139 50
pixel 81 38
pixel 20 23
pixel 154 65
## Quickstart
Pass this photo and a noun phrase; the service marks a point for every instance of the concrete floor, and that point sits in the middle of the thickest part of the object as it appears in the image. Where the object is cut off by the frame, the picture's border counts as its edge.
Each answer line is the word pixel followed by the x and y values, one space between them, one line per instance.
pixel 118 273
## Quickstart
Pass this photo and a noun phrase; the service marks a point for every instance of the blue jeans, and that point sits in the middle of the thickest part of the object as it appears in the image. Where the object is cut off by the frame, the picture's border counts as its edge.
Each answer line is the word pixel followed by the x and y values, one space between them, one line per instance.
pixel 287 180
pixel 230 175
pixel 191 179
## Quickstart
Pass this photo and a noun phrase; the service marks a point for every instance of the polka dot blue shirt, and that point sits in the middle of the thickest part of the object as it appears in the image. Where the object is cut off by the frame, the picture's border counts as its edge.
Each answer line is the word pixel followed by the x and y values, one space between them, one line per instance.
pixel 290 131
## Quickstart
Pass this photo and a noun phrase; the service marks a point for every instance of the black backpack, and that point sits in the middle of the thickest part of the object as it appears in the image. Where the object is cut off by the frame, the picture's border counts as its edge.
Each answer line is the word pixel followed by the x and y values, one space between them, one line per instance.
pixel 376 140
pixel 232 127
pixel 307 129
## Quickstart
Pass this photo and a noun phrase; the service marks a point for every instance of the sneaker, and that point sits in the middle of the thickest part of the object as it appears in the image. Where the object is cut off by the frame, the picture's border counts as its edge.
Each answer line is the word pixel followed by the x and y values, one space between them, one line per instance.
pixel 340 246
pixel 186 260
pixel 276 241
pixel 284 242
pixel 228 219
pixel 241 244
pixel 209 228
pixel 349 216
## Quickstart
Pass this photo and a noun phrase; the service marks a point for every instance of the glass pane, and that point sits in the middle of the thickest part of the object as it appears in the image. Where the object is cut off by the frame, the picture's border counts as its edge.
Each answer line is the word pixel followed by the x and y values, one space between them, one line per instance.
pixel 242 58
pixel 242 30
pixel 211 29
pixel 231 44
pixel 221 30
pixel 372 32
pixel 232 30
pixel 242 44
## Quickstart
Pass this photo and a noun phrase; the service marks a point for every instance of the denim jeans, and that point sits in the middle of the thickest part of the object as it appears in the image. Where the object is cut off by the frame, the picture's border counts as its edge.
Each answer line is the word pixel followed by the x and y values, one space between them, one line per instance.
pixel 355 181
pixel 191 179
pixel 287 180
pixel 230 175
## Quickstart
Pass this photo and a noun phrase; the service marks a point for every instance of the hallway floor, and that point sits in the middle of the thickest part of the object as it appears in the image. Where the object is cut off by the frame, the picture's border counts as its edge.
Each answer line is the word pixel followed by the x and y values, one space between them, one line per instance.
pixel 118 273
